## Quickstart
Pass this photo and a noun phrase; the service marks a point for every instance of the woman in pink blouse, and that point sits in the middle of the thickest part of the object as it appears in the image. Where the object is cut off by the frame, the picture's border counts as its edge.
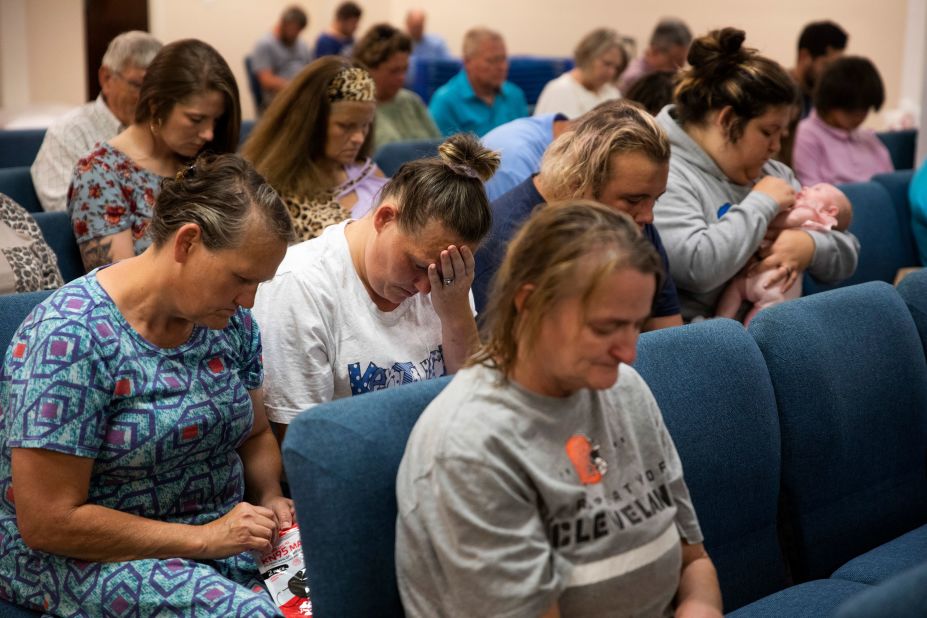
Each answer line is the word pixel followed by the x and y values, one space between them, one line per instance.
pixel 830 146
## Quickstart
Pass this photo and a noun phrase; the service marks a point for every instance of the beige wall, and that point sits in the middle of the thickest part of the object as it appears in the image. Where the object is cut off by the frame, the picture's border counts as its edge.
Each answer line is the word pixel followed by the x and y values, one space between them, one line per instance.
pixel 56 55
pixel 57 61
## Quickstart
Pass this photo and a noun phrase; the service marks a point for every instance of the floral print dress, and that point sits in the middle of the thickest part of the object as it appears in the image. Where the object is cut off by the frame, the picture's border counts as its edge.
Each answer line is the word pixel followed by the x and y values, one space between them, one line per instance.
pixel 110 193
pixel 162 426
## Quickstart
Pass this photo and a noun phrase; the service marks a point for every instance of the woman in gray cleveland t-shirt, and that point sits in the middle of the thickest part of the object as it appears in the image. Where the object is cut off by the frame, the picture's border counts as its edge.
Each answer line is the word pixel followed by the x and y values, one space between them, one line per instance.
pixel 542 481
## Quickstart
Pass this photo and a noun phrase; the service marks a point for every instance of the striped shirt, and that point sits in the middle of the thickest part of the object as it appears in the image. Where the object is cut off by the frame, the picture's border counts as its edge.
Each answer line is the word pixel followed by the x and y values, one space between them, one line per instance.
pixel 68 139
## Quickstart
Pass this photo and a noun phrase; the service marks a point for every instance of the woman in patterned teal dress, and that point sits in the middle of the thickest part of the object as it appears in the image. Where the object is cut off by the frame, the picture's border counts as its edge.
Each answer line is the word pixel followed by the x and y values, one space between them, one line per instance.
pixel 137 468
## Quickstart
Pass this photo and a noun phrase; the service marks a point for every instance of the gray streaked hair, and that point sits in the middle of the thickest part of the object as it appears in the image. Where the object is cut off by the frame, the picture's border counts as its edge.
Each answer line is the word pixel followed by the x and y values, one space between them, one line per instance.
pixel 670 32
pixel 132 48
pixel 475 36
pixel 578 163
pixel 222 194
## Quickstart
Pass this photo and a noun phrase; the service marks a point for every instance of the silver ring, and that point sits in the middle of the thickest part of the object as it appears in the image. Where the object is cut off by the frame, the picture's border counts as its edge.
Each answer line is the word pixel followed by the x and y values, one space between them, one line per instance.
pixel 448 281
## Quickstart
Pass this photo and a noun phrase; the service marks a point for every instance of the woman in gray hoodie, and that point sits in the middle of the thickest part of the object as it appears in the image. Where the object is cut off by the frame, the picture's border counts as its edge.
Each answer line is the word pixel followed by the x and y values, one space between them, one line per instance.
pixel 732 108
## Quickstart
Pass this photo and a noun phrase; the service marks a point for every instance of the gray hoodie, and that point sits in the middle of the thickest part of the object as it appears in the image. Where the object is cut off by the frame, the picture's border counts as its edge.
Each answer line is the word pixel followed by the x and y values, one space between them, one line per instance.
pixel 705 249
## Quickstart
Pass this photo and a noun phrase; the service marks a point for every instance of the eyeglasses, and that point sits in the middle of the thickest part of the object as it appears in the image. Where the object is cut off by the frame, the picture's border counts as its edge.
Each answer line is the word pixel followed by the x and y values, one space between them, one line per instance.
pixel 134 84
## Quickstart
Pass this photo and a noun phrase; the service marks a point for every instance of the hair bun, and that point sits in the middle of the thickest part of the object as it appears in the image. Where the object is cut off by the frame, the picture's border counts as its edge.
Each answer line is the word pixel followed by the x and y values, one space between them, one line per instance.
pixel 465 155
pixel 719 50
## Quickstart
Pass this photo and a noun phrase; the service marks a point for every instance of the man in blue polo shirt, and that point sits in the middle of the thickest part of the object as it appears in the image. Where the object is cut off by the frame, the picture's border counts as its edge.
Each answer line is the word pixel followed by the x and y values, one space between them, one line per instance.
pixel 521 144
pixel 478 98
pixel 617 155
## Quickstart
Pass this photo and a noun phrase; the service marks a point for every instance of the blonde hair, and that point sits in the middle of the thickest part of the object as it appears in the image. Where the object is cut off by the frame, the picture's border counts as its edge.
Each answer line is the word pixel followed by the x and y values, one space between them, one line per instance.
pixel 595 44
pixel 578 163
pixel 288 143
pixel 562 250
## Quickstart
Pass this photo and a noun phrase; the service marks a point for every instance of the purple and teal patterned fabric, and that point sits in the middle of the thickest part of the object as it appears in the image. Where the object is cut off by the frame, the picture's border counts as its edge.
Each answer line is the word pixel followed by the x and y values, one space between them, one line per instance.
pixel 162 425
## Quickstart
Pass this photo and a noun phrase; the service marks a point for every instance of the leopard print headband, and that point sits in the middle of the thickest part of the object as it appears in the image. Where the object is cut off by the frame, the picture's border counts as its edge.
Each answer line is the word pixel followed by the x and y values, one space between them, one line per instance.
pixel 352 84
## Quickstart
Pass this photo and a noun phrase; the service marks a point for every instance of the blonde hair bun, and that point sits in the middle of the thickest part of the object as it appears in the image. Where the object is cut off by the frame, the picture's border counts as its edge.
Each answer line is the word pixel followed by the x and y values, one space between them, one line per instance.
pixel 465 155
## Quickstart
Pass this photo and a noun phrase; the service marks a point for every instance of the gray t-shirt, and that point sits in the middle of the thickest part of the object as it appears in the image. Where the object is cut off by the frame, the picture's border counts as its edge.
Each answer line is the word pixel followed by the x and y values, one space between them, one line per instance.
pixel 510 501
pixel 271 53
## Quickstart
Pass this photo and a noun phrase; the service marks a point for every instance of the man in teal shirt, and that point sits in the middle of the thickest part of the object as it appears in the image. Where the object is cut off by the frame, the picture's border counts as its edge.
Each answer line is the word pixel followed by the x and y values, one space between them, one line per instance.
pixel 478 98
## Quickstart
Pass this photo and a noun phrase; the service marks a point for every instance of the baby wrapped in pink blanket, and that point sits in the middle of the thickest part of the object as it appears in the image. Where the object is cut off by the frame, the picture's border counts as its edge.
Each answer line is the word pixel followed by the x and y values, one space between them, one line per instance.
pixel 822 207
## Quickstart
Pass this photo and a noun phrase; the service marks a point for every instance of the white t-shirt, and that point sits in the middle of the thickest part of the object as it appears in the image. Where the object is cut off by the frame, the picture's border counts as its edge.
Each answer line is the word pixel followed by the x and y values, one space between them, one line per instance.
pixel 325 339
pixel 567 96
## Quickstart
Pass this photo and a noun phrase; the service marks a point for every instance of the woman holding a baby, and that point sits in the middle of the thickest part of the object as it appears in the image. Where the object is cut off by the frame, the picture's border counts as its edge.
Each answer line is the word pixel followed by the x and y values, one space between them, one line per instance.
pixel 731 109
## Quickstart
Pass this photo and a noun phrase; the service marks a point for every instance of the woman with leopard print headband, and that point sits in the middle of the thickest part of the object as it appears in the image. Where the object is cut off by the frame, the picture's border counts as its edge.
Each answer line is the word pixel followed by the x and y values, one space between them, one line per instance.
pixel 327 112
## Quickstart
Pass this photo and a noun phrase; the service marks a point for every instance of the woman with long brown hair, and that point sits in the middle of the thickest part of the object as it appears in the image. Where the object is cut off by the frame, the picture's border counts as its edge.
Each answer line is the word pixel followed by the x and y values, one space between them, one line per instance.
pixel 188 103
pixel 314 143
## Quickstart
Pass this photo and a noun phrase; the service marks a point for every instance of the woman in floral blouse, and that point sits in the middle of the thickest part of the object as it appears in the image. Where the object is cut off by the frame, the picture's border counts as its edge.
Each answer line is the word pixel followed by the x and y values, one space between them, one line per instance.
pixel 188 103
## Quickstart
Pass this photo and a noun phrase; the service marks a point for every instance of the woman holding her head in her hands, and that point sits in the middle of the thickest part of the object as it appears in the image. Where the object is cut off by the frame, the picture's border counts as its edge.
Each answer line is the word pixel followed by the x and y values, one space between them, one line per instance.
pixel 520 490
pixel 383 300
pixel 732 108
pixel 137 467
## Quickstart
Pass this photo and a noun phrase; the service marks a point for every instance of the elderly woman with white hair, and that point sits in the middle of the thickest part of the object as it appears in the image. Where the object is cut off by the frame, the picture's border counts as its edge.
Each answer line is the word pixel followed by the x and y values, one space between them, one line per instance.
pixel 600 59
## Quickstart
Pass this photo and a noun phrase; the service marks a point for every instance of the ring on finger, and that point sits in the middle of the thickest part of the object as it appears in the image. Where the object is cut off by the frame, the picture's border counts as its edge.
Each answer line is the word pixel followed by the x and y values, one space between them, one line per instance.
pixel 448 281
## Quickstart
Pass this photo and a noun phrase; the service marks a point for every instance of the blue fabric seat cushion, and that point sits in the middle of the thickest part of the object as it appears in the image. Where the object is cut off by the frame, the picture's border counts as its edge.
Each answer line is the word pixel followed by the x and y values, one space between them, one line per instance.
pixel 812 599
pixel 887 560
pixel 902 596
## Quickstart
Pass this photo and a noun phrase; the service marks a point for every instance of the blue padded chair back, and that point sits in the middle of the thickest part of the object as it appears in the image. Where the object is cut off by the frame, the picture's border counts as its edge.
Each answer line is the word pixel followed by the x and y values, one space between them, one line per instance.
pixel 713 389
pixel 59 234
pixel 913 289
pixel 390 157
pixel 13 310
pixel 850 380
pixel 897 183
pixel 901 146
pixel 16 182
pixel 531 73
pixel 341 460
pixel 427 75
pixel 246 127
pixel 881 236
pixel 254 86
pixel 903 596
pixel 19 147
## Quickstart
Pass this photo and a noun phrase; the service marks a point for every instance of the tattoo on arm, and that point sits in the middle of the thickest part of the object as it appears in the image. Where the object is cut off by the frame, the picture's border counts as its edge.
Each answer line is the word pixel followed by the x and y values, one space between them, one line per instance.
pixel 97 252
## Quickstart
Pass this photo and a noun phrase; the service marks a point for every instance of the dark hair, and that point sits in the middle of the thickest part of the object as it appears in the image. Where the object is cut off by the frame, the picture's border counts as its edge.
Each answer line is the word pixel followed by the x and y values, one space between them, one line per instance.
pixel 447 188
pixel 288 143
pixel 819 36
pixel 724 73
pixel 850 83
pixel 347 10
pixel 653 91
pixel 379 44
pixel 184 69
pixel 221 194
pixel 562 250
pixel 295 15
